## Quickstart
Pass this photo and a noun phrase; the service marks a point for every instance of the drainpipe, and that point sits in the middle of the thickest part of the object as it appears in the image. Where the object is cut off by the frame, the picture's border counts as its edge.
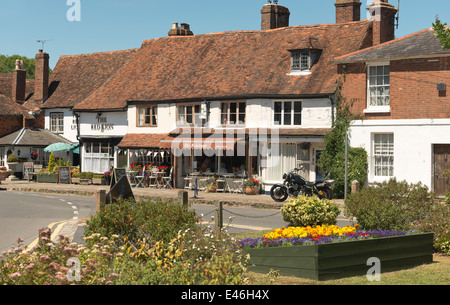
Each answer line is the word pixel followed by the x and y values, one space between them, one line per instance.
pixel 331 97
pixel 77 116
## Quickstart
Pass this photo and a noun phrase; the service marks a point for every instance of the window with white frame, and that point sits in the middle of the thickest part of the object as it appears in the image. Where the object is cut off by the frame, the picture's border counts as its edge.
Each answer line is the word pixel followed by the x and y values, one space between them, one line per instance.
pixel 57 122
pixel 383 154
pixel 98 156
pixel 379 86
pixel 287 113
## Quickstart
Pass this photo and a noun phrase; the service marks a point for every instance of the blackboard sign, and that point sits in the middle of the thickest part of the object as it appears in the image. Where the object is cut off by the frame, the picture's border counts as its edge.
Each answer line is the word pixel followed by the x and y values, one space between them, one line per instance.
pixel 27 168
pixel 64 175
pixel 121 189
pixel 117 174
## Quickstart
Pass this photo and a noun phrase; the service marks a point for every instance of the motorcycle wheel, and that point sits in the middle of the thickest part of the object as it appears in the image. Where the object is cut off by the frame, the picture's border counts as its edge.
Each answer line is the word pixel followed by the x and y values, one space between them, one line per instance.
pixel 278 193
pixel 326 193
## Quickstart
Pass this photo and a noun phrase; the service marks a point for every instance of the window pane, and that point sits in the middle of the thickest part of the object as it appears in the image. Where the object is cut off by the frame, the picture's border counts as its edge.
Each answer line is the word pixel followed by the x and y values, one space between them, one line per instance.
pixel 224 115
pixel 181 116
pixel 233 113
pixel 241 113
pixel 298 119
pixel 154 115
pixel 297 107
pixel 189 114
pixel 287 113
pixel 140 116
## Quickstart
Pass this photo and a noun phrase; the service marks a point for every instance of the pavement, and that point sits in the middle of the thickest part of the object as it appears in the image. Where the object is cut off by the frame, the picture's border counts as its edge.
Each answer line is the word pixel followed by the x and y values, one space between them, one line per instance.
pixel 73 228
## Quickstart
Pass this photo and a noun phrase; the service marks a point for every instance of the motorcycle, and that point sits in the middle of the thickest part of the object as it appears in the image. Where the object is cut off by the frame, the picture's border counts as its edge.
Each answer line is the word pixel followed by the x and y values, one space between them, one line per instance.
pixel 295 185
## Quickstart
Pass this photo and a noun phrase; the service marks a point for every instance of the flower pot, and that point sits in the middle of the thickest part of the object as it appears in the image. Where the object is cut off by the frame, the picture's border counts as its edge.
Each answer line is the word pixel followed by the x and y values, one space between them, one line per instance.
pixel 251 190
pixel 4 175
pixel 211 189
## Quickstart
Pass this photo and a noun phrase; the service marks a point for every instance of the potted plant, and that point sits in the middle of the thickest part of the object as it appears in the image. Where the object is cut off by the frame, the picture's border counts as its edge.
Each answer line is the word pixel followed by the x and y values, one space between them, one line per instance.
pixel 4 173
pixel 211 184
pixel 34 156
pixel 86 177
pixel 107 177
pixel 251 186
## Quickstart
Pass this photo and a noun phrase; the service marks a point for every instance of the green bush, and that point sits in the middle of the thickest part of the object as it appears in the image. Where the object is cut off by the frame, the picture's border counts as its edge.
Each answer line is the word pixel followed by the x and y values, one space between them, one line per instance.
pixel 86 175
pixel 12 158
pixel 390 205
pixel 153 219
pixel 310 211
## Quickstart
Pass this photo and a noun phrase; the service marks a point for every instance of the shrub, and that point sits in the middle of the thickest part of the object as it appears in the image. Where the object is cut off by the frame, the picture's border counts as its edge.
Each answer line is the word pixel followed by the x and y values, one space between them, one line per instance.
pixel 12 158
pixel 154 219
pixel 86 175
pixel 310 211
pixel 51 162
pixel 390 205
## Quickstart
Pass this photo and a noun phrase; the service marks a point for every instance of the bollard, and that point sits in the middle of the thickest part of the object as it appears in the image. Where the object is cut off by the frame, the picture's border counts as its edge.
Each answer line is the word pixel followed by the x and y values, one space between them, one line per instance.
pixel 184 199
pixel 355 186
pixel 218 217
pixel 100 199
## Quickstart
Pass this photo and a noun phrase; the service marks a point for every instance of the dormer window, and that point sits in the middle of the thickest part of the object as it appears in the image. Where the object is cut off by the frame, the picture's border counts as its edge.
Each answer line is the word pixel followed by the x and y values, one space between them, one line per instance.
pixel 302 61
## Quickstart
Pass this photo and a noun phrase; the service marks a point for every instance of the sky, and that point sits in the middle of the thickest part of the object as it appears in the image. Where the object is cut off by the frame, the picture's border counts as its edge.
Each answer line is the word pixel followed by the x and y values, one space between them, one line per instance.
pixel 109 25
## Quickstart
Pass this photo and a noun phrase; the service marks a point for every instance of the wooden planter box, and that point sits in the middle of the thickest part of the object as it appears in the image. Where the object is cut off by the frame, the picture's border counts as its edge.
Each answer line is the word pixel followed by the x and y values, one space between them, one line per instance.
pixel 75 180
pixel 98 181
pixel 344 259
pixel 44 178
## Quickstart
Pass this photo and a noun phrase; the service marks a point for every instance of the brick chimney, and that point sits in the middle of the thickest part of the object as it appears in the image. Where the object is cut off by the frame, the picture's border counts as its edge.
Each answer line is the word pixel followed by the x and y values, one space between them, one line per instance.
pixel 348 11
pixel 19 82
pixel 183 30
pixel 382 14
pixel 274 16
pixel 41 76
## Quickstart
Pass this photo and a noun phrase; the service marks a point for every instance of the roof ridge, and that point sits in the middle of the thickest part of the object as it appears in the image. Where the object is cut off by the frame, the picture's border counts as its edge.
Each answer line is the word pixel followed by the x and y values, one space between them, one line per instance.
pixel 99 53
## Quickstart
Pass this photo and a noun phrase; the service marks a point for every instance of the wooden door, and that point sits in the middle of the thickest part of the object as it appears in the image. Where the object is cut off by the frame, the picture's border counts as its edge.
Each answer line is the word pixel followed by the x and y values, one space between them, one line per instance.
pixel 441 163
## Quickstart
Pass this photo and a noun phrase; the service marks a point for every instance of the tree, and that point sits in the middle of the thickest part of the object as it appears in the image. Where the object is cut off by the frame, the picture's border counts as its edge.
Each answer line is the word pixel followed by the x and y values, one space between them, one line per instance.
pixel 333 158
pixel 442 32
pixel 8 64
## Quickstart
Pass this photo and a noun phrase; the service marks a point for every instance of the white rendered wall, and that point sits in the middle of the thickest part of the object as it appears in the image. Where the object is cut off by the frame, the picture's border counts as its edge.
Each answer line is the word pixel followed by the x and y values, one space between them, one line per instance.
pixel 70 127
pixel 413 145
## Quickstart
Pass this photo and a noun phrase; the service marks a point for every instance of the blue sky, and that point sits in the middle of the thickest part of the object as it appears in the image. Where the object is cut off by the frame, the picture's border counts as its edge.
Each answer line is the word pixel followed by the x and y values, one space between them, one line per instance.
pixel 108 25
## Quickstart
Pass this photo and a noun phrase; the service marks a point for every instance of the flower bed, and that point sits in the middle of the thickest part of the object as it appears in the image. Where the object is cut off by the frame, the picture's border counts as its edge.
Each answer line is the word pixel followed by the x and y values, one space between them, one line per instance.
pixel 327 252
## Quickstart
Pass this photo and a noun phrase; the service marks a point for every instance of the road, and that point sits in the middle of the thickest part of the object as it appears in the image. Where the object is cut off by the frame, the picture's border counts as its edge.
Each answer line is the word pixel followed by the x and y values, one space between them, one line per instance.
pixel 23 214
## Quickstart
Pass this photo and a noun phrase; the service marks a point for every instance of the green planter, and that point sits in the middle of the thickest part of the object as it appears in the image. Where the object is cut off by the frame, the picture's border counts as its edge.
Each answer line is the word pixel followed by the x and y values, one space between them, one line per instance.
pixel 344 259
pixel 45 178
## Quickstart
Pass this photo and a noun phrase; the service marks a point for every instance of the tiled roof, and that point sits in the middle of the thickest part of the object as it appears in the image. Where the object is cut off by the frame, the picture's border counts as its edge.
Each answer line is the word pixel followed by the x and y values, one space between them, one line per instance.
pixel 241 64
pixel 32 137
pixel 75 77
pixel 143 140
pixel 7 107
pixel 419 44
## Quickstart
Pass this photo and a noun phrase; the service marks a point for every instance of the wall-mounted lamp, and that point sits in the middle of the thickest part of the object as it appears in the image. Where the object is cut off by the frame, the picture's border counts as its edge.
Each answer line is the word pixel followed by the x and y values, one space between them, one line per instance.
pixel 99 114
pixel 18 152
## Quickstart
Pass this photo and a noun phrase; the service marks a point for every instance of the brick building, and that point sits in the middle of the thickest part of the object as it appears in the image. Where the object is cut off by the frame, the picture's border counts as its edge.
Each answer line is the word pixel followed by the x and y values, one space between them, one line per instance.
pixel 400 90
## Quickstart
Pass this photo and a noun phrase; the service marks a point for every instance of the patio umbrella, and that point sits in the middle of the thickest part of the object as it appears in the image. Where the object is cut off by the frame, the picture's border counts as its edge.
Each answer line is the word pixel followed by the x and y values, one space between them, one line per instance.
pixel 59 147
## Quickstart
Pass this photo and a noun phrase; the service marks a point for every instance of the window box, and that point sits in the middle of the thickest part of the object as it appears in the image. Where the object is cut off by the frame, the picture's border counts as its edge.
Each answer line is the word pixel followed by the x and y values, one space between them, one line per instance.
pixel 344 259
